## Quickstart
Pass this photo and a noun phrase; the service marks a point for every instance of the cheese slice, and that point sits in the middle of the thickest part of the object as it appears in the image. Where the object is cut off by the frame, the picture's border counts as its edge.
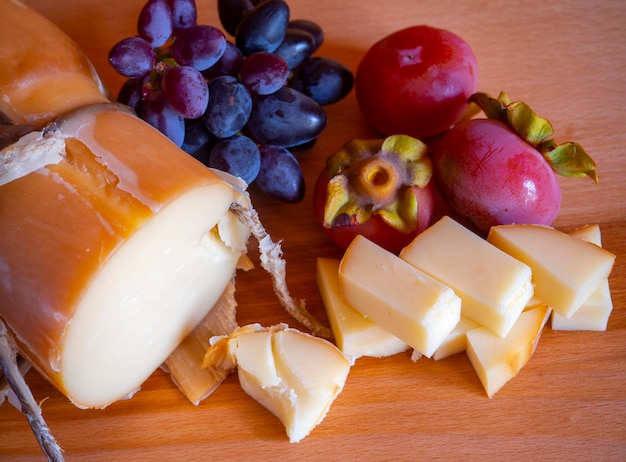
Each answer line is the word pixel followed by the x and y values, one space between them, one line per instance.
pixel 566 270
pixel 398 297
pixel 355 335
pixel 594 313
pixel 494 287
pixel 110 257
pixel 456 340
pixel 497 360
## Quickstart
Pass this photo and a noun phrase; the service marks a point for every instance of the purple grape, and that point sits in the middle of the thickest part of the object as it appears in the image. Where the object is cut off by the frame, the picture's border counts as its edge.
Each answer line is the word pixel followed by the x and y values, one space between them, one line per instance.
pixel 161 116
pixel 198 140
pixel 199 46
pixel 131 94
pixel 132 57
pixel 228 64
pixel 230 13
pixel 238 155
pixel 154 23
pixel 280 175
pixel 296 47
pixel 263 28
pixel 229 106
pixel 185 89
pixel 323 79
pixel 286 118
pixel 312 28
pixel 264 73
pixel 184 13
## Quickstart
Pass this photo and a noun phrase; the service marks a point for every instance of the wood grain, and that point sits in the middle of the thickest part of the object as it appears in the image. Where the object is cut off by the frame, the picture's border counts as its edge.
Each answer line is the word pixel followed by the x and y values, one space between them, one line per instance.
pixel 566 59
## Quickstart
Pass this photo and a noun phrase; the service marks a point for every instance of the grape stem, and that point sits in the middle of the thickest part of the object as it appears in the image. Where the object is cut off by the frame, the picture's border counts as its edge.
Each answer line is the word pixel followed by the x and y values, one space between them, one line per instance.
pixel 30 408
pixel 275 265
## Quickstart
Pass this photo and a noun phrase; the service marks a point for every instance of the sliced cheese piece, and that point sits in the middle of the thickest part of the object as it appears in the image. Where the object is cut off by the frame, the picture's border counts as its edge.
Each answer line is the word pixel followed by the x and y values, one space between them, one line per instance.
pixel 294 375
pixel 355 335
pixel 110 257
pixel 494 287
pixel 497 360
pixel 566 270
pixel 594 313
pixel 400 298
pixel 456 340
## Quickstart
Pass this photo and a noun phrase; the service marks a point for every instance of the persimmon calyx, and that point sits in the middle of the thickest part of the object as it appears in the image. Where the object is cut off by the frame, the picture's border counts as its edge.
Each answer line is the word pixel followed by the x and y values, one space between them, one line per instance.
pixel 376 177
pixel 567 159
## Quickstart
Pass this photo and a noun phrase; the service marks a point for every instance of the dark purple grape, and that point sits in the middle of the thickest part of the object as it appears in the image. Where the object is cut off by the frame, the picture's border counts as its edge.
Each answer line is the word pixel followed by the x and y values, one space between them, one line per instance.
pixel 312 28
pixel 199 46
pixel 264 73
pixel 280 175
pixel 323 79
pixel 228 64
pixel 184 14
pixel 161 116
pixel 230 13
pixel 296 47
pixel 131 94
pixel 229 106
pixel 198 140
pixel 286 118
pixel 132 57
pixel 155 22
pixel 186 91
pixel 263 28
pixel 238 155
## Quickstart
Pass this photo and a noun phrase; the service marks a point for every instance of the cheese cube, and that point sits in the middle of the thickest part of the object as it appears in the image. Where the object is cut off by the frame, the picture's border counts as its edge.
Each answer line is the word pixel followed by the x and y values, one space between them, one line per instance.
pixel 456 341
pixel 397 296
pixel 355 335
pixel 594 313
pixel 497 360
pixel 566 270
pixel 494 287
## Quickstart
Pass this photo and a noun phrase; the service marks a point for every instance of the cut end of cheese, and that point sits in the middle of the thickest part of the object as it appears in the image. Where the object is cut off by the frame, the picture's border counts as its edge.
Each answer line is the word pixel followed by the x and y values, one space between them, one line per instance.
pixel 456 341
pixel 355 335
pixel 494 287
pixel 566 270
pixel 398 297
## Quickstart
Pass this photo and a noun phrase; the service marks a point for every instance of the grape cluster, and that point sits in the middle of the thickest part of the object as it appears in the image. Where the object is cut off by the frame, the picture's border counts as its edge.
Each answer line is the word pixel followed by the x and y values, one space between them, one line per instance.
pixel 241 104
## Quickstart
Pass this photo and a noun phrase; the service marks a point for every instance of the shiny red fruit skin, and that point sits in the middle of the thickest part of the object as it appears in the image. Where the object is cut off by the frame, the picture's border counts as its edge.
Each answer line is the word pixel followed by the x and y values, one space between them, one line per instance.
pixel 416 81
pixel 375 229
pixel 491 176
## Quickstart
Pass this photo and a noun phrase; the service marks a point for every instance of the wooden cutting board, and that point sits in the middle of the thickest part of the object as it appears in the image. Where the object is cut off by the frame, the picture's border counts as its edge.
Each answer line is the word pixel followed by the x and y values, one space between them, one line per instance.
pixel 567 60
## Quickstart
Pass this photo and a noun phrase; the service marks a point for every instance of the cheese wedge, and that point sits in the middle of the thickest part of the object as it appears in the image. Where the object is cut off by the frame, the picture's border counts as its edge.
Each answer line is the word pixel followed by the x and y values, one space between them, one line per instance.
pixel 594 313
pixel 43 73
pixel 566 270
pixel 456 340
pixel 294 375
pixel 497 360
pixel 111 256
pixel 398 297
pixel 355 335
pixel 494 287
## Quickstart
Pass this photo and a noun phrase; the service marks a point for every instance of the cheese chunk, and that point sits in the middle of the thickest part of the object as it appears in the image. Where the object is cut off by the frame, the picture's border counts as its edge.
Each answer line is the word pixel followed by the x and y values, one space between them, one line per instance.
pixel 397 296
pixel 594 313
pixel 456 341
pixel 494 287
pixel 355 335
pixel 566 270
pixel 497 360
pixel 294 375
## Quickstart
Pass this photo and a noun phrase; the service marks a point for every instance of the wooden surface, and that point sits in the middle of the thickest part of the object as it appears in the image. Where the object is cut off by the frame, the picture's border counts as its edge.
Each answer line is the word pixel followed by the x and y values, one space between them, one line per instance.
pixel 567 60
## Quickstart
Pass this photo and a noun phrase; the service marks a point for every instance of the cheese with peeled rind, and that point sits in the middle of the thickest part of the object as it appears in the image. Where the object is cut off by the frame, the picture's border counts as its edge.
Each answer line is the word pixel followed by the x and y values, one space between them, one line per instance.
pixel 110 257
pixel 494 287
pixel 594 313
pixel 355 335
pixel 497 360
pixel 398 297
pixel 566 270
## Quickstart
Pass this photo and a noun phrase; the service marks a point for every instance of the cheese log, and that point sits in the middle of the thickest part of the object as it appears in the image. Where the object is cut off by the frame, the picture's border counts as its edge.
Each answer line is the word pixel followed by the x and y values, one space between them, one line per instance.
pixel 494 287
pixel 398 297
pixel 566 270
pixel 43 73
pixel 109 257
